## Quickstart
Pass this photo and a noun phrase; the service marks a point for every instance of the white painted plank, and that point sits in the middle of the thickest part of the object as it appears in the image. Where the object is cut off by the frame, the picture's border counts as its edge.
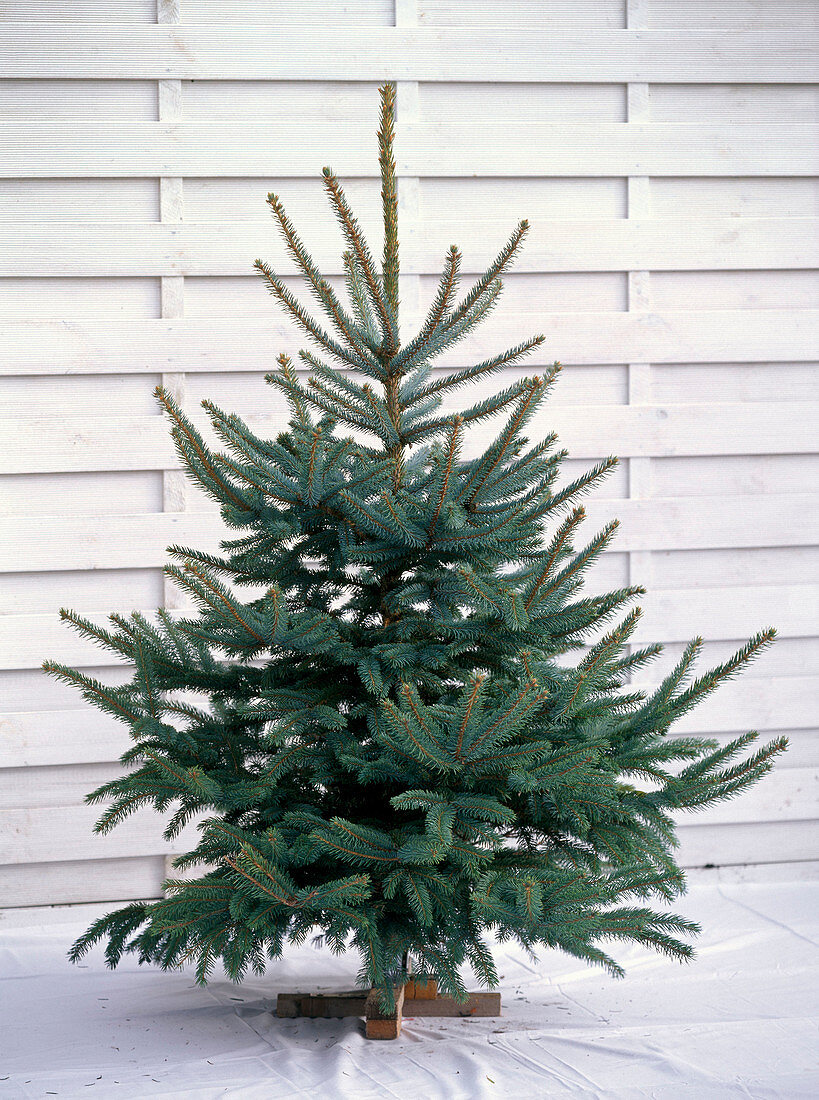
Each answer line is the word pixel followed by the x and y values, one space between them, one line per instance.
pixel 753 702
pixel 353 100
pixel 561 13
pixel 788 657
pixel 760 842
pixel 363 13
pixel 71 542
pixel 251 343
pixel 131 200
pixel 558 245
pixel 268 99
pixel 43 591
pixel 728 382
pixel 751 428
pixel 40 12
pixel 230 199
pixel 750 102
pixel 49 100
pixel 44 299
pixel 735 14
pixel 740 197
pixel 749 565
pixel 785 794
pixel 80 735
pixel 42 444
pixel 31 743
pixel 805 870
pixel 671 615
pixel 480 147
pixel 91 878
pixel 75 395
pixel 729 290
pixel 66 833
pixel 207 52
pixel 735 475
pixel 85 735
pixel 24 688
pixel 56 785
pixel 104 542
pixel 85 494
pixel 45 913
pixel 674 615
pixel 133 394
pixel 69 882
pixel 447 101
pixel 802 750
pixel 28 835
pixel 524 294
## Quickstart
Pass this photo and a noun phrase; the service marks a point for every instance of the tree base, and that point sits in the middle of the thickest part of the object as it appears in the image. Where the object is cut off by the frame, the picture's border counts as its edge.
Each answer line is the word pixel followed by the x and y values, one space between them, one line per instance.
pixel 416 998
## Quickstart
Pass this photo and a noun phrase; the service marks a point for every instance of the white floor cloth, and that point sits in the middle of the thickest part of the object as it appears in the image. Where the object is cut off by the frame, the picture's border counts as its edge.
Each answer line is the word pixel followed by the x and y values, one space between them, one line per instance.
pixel 740 1020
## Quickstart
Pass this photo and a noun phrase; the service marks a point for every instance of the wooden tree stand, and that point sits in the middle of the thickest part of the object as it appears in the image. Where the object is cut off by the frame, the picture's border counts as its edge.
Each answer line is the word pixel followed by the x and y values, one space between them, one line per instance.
pixel 419 997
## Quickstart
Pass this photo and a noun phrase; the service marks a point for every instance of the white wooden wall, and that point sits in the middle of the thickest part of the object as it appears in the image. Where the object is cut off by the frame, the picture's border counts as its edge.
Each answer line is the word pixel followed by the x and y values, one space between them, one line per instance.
pixel 664 151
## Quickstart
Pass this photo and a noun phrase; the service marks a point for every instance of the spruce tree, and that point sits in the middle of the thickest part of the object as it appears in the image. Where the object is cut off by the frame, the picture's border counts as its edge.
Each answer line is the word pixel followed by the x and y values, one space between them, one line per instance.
pixel 398 747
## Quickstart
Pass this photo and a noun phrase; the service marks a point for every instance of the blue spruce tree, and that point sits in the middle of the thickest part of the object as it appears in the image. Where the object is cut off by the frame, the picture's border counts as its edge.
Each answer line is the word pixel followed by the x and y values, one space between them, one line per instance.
pixel 396 751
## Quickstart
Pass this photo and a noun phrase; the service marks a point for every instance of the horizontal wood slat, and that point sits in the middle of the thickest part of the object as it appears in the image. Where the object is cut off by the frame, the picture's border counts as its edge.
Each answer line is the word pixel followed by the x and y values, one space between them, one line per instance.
pixel 71 881
pixel 612 244
pixel 104 542
pixel 481 147
pixel 68 542
pixel 120 880
pixel 57 786
pixel 757 842
pixel 752 702
pixel 85 735
pixel 225 52
pixel 57 444
pixel 252 343
pixel 670 615
pixel 52 833
pixel 786 794
pixel 29 836
pixel 80 735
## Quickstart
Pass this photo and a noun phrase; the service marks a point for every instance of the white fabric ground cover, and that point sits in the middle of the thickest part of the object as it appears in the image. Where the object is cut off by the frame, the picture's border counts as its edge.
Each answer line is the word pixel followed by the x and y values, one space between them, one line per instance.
pixel 738 1021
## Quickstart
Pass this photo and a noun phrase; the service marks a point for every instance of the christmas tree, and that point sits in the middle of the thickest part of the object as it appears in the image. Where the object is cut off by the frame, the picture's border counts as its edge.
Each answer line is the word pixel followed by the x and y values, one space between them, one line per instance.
pixel 398 747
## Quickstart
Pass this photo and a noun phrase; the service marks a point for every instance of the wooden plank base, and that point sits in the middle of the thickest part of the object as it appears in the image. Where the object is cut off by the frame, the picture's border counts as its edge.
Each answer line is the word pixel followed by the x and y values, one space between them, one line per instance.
pixel 380 1025
pixel 417 998
pixel 421 989
pixel 478 1004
